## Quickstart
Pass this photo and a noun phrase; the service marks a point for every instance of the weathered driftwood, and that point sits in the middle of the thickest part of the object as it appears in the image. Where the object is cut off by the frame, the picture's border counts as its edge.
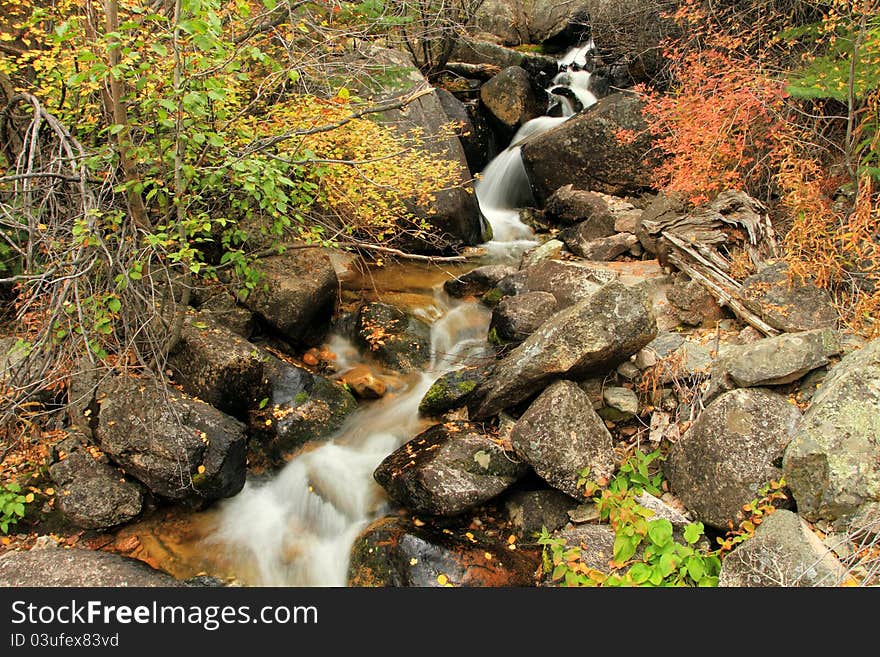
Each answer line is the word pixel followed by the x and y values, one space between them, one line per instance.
pixel 698 243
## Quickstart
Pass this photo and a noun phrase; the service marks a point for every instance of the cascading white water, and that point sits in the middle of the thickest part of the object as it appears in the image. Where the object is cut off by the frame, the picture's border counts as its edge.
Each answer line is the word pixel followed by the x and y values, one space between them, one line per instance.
pixel 297 528
pixel 503 187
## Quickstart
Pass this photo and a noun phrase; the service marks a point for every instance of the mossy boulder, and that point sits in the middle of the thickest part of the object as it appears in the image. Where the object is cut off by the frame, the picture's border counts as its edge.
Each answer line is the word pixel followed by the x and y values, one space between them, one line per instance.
pixel 453 390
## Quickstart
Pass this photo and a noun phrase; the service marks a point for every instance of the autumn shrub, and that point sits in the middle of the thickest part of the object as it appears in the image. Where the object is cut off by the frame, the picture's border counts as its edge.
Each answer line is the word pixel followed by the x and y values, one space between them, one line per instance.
pixel 156 144
pixel 780 99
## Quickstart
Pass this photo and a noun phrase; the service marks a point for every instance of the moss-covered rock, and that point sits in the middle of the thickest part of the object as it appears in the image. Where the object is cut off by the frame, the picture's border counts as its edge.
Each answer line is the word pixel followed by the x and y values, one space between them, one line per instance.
pixel 453 390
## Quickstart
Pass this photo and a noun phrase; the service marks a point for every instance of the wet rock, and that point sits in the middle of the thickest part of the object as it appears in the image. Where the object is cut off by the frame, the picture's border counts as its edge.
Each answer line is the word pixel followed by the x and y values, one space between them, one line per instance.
pixel 783 552
pixel 364 384
pixel 568 206
pixel 533 510
pixel 601 249
pixel 298 295
pixel 477 281
pixel 584 151
pixel 833 463
pixel 788 305
pixel 218 366
pixel 177 446
pixel 733 448
pixel 513 98
pixel 393 551
pixel 398 340
pixel 89 491
pixel 302 407
pixel 516 318
pixel 447 469
pixel 453 390
pixel 53 566
pixel 560 434
pixel 594 335
pixel 773 361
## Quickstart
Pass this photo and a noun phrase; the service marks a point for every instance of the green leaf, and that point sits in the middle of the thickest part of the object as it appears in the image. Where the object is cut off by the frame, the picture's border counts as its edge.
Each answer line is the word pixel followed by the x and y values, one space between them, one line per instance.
pixel 640 573
pixel 660 531
pixel 159 49
pixel 695 568
pixel 624 548
pixel 693 532
pixel 668 564
pixel 114 304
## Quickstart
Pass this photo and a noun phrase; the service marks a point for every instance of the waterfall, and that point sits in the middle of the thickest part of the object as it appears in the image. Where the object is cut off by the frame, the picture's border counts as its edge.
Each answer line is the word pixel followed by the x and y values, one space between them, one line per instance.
pixel 503 187
pixel 297 528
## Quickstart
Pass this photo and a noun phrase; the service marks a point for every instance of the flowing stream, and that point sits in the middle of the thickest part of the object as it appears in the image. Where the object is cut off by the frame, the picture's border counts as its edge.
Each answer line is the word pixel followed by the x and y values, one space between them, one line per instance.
pixel 297 528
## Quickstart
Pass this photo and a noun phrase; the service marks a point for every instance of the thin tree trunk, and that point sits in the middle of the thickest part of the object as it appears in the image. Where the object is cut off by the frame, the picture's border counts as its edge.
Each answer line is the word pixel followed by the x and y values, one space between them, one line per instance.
pixel 120 117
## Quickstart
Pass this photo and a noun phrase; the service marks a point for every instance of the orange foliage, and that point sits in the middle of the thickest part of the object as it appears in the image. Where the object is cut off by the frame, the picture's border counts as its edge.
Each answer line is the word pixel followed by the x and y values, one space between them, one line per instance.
pixel 727 122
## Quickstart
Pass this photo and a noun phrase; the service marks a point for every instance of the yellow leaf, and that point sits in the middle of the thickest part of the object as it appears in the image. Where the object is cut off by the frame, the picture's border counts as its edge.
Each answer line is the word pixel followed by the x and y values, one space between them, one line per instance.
pixel 413 561
pixel 511 538
pixel 29 498
pixel 442 579
pixel 50 491
pixel 201 469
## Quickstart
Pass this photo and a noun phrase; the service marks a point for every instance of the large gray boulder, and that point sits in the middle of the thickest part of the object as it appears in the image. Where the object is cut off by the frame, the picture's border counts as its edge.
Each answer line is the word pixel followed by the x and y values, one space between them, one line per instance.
pixel 833 463
pixel 90 492
pixel 773 361
pixel 513 98
pixel 585 151
pixel 54 566
pixel 517 22
pixel 297 296
pixel 733 448
pixel 516 318
pixel 560 435
pixel 218 366
pixel 787 303
pixel 447 469
pixel 453 213
pixel 568 282
pixel 593 335
pixel 783 552
pixel 568 206
pixel 179 447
